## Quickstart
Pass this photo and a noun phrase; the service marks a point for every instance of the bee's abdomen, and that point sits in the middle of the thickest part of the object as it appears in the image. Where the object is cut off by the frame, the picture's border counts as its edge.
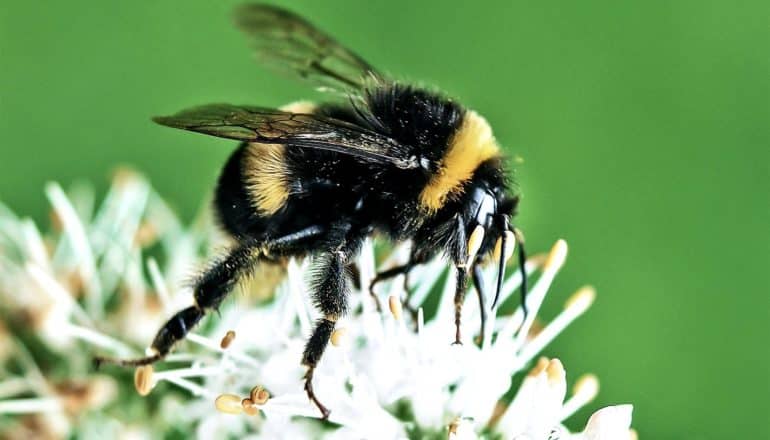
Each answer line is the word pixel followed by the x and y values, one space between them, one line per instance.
pixel 266 177
pixel 234 210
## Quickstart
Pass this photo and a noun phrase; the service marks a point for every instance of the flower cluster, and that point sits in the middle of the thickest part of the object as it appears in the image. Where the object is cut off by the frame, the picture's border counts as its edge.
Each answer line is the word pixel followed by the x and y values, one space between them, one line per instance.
pixel 103 280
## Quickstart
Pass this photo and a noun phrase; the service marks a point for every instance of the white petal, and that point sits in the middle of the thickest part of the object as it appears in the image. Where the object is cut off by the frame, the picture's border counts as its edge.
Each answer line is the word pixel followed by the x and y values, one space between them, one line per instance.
pixel 610 423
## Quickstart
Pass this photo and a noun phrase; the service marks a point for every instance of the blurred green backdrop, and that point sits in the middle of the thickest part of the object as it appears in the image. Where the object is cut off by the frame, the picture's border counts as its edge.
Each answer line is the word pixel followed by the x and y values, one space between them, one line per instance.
pixel 643 127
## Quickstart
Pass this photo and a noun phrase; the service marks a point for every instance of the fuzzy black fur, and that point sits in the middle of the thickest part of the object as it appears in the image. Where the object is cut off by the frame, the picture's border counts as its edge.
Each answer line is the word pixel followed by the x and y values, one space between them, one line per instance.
pixel 347 199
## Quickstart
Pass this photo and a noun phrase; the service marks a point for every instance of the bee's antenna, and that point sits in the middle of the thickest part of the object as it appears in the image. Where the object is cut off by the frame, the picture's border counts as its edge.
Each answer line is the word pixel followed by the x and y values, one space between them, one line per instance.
pixel 522 261
pixel 500 270
pixel 99 361
pixel 502 253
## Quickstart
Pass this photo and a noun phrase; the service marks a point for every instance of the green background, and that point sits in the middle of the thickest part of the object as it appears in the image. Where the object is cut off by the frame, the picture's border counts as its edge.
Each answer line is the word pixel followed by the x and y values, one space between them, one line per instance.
pixel 643 127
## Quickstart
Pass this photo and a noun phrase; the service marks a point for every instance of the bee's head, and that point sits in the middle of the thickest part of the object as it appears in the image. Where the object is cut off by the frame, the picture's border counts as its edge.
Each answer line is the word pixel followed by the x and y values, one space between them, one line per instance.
pixel 486 218
pixel 486 229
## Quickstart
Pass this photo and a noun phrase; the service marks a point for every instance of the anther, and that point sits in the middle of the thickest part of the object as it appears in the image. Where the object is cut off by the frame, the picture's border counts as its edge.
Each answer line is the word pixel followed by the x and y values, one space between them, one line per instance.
pixel 395 307
pixel 582 299
pixel 259 395
pixel 248 407
pixel 227 340
pixel 556 256
pixel 143 380
pixel 228 404
pixel 339 336
pixel 540 366
pixel 587 387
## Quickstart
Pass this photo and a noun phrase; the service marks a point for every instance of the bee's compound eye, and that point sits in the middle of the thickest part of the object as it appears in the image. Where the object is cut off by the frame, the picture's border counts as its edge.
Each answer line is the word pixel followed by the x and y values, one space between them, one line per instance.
pixel 486 207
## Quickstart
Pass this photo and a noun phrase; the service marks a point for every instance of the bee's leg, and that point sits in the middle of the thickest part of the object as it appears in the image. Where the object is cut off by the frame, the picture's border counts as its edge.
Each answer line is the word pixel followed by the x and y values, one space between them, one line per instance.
pixel 355 274
pixel 462 280
pixel 330 295
pixel 212 288
pixel 386 275
pixel 404 269
pixel 478 284
pixel 209 291
pixel 522 254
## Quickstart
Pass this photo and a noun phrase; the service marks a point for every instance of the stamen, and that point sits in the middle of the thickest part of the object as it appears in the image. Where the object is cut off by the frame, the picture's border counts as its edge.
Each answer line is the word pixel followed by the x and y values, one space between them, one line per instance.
pixel 13 386
pixel 189 372
pixel 574 307
pixel 190 386
pixel 228 404
pixel 57 293
pixel 474 244
pixel 95 338
pixel 143 380
pixel 395 307
pixel 160 286
pixel 585 390
pixel 34 245
pixel 211 345
pixel 557 381
pixel 420 320
pixel 582 299
pixel 24 406
pixel 557 256
pixel 553 263
pixel 76 232
pixel 297 294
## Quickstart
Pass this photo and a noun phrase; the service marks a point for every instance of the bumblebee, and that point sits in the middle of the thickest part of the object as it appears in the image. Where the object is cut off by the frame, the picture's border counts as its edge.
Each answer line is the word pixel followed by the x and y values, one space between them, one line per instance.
pixel 388 158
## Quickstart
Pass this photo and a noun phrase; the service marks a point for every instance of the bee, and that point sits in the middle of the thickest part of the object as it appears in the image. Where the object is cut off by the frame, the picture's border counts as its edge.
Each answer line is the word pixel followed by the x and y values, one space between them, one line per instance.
pixel 383 157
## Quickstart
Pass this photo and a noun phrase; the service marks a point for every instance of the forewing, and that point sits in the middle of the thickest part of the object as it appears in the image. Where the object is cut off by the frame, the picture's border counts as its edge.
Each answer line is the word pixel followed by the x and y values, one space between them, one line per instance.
pixel 269 126
pixel 288 42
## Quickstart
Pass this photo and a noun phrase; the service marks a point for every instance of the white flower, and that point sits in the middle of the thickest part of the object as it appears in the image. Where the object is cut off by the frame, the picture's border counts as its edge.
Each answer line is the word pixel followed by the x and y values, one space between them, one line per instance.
pixel 387 376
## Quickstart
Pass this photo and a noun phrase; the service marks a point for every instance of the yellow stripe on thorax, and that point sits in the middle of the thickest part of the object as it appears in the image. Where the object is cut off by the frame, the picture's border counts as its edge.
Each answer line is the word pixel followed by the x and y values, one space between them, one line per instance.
pixel 470 146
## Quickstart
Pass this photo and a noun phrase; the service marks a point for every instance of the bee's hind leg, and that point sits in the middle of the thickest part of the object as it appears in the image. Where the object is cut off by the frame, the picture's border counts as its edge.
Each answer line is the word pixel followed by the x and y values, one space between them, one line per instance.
pixel 209 291
pixel 330 295
pixel 212 288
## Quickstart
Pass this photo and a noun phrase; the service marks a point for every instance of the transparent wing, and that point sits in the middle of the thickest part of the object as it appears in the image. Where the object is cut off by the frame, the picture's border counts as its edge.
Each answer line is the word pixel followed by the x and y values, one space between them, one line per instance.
pixel 269 126
pixel 289 43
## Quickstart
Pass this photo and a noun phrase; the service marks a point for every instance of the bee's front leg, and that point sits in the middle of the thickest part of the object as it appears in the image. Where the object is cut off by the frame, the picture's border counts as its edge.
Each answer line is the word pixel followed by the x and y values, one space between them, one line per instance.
pixel 462 280
pixel 478 284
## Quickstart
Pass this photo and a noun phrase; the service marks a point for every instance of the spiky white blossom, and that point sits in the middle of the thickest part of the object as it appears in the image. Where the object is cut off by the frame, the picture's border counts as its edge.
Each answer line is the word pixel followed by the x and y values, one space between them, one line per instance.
pixel 97 281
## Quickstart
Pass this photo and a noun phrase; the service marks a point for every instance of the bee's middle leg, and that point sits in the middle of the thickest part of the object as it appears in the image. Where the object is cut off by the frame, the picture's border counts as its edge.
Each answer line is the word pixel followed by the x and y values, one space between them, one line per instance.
pixel 462 280
pixel 404 269
pixel 386 275
pixel 478 284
